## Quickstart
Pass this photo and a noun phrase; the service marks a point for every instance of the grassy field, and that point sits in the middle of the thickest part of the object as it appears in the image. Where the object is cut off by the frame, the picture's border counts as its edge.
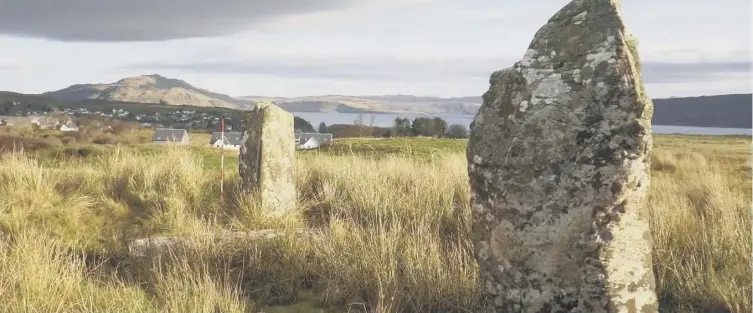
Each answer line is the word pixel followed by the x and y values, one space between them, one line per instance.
pixel 395 211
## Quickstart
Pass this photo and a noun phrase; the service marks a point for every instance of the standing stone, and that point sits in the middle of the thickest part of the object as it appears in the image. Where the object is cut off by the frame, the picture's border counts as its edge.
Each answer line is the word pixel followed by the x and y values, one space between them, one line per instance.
pixel 267 158
pixel 558 165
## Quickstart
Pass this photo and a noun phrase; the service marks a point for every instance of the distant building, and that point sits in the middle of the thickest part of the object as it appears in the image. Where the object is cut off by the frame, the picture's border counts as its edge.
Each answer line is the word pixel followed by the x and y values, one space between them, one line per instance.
pixel 40 121
pixel 69 127
pixel 313 140
pixel 8 120
pixel 44 122
pixel 170 136
pixel 231 140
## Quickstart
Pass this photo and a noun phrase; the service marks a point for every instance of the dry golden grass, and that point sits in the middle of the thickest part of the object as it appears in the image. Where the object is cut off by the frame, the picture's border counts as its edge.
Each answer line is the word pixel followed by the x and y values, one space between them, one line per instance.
pixel 396 233
pixel 701 210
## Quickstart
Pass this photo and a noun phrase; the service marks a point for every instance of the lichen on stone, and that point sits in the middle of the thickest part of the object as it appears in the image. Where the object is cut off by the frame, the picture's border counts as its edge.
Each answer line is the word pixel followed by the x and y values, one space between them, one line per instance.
pixel 558 166
pixel 267 157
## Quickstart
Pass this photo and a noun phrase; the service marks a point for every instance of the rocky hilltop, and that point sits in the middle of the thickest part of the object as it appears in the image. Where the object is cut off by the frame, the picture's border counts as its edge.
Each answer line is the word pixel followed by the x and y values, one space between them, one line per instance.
pixel 158 89
pixel 147 89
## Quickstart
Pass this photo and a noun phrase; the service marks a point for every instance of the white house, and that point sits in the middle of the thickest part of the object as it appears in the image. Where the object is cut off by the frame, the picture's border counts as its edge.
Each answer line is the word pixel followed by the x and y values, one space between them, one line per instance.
pixel 69 127
pixel 313 140
pixel 231 140
pixel 170 136
pixel 312 143
pixel 44 122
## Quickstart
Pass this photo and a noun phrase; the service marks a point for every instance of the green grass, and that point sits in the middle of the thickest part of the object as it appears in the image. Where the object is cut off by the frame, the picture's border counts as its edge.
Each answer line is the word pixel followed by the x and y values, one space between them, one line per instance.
pixel 409 147
pixel 396 212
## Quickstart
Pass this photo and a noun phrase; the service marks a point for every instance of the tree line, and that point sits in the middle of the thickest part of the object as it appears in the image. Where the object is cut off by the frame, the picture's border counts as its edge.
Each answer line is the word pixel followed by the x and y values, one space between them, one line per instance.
pixel 427 127
pixel 402 127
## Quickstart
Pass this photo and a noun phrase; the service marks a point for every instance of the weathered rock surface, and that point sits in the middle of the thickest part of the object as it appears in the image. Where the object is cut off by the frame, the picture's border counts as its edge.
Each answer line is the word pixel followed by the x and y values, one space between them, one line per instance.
pixel 558 165
pixel 267 158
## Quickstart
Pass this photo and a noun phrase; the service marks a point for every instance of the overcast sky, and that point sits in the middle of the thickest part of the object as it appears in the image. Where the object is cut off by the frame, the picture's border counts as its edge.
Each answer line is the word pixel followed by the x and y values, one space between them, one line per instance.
pixel 353 47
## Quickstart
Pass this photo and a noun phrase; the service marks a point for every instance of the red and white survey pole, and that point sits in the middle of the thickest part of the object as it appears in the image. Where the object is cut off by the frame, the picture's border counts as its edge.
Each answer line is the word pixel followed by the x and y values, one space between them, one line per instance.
pixel 222 157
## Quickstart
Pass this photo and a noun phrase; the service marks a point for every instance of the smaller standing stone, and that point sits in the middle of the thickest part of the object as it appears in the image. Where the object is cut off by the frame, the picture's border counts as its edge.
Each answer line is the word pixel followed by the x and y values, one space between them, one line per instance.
pixel 267 157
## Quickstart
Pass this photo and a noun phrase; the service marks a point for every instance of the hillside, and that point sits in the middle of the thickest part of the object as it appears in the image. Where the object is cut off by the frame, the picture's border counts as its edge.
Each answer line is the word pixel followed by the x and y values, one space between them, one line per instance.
pixel 147 89
pixel 725 111
pixel 159 115
pixel 732 111
pixel 397 104
pixel 158 89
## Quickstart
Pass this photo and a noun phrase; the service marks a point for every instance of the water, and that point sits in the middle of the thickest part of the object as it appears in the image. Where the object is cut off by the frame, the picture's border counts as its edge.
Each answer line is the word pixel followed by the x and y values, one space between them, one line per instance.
pixel 387 120
pixel 381 120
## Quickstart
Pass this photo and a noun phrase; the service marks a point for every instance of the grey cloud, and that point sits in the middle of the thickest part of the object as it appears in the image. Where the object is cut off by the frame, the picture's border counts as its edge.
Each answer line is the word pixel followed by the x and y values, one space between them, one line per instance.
pixel 146 20
pixel 373 68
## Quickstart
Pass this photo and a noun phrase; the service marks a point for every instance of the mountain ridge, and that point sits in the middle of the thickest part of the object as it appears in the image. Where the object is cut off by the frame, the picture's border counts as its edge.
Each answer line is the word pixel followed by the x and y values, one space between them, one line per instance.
pixel 154 88
pixel 730 110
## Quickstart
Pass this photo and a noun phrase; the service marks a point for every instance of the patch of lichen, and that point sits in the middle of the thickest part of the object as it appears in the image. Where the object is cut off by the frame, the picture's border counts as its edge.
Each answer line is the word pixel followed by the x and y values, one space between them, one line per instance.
pixel 632 45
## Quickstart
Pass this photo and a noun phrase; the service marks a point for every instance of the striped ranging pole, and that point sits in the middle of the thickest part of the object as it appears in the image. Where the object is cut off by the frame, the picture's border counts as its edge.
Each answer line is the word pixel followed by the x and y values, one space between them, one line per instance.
pixel 222 157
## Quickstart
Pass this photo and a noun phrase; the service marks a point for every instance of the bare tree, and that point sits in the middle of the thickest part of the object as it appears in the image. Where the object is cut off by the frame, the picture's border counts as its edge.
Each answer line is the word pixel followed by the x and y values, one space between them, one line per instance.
pixel 359 124
pixel 371 125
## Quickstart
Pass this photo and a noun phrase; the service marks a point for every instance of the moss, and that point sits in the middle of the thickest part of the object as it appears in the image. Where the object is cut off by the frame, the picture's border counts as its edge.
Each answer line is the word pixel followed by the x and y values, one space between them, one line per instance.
pixel 632 44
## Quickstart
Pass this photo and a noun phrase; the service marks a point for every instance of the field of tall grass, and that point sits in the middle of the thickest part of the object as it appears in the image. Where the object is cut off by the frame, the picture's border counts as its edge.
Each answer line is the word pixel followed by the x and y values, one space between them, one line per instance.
pixel 393 231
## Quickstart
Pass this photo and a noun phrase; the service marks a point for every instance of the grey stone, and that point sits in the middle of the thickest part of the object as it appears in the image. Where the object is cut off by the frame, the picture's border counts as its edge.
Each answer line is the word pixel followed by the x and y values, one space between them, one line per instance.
pixel 558 162
pixel 267 158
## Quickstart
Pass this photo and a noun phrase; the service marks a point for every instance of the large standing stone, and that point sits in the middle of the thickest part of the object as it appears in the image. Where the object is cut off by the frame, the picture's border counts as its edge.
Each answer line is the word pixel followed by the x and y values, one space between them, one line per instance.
pixel 558 164
pixel 267 157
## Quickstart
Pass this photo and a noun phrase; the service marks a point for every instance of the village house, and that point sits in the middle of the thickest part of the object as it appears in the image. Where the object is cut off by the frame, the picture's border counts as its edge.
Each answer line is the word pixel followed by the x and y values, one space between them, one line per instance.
pixel 170 136
pixel 9 120
pixel 69 127
pixel 313 140
pixel 231 140
pixel 43 122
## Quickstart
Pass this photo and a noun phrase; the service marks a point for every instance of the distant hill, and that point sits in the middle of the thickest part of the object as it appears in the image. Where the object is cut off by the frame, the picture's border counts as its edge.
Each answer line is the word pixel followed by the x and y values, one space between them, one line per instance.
pixel 725 111
pixel 162 90
pixel 733 111
pixel 374 104
pixel 147 89
pixel 190 117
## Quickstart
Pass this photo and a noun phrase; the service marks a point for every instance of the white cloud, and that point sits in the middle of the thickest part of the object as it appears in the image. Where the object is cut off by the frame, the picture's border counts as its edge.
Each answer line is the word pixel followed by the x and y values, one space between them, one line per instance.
pixel 437 47
pixel 9 63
